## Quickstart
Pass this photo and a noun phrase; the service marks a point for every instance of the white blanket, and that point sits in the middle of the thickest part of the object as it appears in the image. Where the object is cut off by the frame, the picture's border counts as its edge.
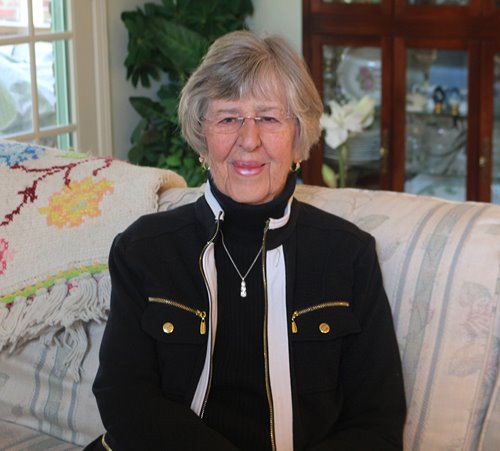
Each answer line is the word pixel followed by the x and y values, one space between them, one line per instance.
pixel 59 212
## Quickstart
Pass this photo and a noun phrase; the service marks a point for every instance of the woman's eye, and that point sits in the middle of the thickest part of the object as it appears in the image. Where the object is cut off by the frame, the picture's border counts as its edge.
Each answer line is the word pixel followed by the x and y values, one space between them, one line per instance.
pixel 228 120
pixel 269 119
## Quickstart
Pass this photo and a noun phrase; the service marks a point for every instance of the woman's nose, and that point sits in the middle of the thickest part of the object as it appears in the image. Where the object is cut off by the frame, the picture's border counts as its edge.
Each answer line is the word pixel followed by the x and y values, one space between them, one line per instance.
pixel 249 135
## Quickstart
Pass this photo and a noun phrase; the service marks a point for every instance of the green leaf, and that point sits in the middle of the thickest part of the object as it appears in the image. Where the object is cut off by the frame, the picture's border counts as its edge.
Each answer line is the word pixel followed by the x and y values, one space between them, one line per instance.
pixel 329 176
pixel 169 6
pixel 184 48
pixel 171 90
pixel 138 131
pixel 134 21
pixel 152 9
pixel 135 154
pixel 147 108
pixel 189 163
pixel 173 161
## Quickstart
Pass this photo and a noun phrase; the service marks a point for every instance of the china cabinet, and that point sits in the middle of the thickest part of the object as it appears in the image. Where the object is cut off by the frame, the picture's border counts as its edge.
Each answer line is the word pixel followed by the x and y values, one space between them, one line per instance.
pixel 432 71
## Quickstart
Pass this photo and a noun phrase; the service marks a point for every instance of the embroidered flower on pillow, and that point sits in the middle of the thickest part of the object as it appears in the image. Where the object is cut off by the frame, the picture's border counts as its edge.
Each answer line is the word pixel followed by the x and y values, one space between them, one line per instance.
pixel 77 201
pixel 6 255
pixel 16 153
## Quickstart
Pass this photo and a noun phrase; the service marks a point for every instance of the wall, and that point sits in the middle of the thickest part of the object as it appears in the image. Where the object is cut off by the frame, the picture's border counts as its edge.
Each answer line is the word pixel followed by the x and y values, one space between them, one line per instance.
pixel 279 16
pixel 276 16
pixel 124 117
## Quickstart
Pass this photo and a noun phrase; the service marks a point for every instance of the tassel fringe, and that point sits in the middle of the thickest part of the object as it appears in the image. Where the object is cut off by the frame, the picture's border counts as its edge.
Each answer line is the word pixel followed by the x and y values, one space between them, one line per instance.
pixel 64 307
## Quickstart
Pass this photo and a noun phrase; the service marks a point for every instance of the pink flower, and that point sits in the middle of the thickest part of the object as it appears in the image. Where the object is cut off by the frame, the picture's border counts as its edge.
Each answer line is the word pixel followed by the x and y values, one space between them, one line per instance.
pixel 6 255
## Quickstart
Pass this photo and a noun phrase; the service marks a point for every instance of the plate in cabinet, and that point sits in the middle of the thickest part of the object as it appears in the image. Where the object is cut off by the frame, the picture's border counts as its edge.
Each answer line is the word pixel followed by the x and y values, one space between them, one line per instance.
pixel 360 73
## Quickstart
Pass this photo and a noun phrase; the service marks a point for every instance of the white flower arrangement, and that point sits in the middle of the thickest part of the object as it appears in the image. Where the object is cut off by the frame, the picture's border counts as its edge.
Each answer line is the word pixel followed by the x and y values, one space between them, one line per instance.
pixel 342 122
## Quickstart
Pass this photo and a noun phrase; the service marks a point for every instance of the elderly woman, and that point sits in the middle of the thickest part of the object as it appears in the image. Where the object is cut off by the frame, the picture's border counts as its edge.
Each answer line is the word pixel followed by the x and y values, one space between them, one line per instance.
pixel 248 320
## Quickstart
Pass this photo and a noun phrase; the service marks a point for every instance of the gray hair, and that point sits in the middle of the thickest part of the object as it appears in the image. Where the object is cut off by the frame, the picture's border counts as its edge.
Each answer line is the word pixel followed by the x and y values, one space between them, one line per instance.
pixel 242 63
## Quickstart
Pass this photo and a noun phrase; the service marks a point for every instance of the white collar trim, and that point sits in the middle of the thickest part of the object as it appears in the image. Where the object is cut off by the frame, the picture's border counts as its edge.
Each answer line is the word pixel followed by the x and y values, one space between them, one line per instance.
pixel 274 223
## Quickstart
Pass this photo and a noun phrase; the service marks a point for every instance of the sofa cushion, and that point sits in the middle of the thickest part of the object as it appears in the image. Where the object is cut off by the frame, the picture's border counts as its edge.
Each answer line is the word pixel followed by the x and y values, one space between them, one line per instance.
pixel 14 437
pixel 441 266
pixel 38 392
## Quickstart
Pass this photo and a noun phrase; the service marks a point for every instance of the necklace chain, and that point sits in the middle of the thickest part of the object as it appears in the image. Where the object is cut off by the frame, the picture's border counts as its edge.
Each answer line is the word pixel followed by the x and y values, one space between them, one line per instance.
pixel 243 286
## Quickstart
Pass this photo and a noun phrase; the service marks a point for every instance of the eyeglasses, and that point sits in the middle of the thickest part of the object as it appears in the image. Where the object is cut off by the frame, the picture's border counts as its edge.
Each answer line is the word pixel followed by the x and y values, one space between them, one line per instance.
pixel 266 124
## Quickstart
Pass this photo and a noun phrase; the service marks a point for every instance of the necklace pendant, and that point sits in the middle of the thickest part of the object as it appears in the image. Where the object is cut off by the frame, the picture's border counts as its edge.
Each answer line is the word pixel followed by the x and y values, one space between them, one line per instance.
pixel 243 289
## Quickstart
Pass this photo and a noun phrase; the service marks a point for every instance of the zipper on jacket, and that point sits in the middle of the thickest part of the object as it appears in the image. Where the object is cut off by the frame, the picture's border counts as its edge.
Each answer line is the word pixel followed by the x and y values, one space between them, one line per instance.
pixel 313 308
pixel 199 313
pixel 104 444
pixel 266 355
pixel 200 263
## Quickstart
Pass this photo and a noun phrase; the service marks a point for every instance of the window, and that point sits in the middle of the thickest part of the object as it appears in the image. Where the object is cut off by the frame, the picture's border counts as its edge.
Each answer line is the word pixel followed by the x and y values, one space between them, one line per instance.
pixel 53 73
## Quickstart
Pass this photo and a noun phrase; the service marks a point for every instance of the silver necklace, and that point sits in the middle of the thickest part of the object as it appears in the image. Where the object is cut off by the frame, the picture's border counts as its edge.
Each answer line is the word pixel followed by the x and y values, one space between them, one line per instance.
pixel 243 286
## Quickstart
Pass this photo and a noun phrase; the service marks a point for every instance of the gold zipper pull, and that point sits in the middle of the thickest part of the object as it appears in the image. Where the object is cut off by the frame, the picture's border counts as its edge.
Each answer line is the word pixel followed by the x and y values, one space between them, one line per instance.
pixel 294 324
pixel 203 325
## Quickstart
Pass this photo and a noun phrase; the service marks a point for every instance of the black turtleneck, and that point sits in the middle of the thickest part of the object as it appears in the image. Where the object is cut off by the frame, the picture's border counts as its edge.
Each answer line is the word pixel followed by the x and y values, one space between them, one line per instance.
pixel 237 405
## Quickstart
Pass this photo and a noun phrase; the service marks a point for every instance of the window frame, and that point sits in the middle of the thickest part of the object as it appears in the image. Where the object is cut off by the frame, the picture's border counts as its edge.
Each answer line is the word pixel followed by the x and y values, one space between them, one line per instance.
pixel 88 84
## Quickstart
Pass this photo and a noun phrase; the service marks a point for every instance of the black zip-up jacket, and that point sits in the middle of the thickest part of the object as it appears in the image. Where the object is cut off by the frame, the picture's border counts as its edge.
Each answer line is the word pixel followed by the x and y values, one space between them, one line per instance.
pixel 345 385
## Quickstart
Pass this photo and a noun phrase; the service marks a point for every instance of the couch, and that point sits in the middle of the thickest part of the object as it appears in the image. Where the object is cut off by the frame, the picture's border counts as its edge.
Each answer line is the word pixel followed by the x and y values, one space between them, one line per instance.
pixel 60 210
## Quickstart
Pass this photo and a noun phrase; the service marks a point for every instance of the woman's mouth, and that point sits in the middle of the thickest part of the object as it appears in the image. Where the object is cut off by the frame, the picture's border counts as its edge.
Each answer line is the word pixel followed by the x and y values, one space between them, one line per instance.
pixel 248 168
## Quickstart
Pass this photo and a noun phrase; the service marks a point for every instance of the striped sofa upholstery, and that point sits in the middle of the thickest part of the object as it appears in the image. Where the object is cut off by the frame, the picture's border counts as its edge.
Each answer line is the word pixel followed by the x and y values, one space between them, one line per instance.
pixel 441 266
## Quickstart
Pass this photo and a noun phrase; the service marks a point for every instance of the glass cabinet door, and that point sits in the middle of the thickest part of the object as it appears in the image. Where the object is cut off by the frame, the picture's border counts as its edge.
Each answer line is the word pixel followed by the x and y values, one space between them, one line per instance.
pixel 436 122
pixel 495 186
pixel 351 123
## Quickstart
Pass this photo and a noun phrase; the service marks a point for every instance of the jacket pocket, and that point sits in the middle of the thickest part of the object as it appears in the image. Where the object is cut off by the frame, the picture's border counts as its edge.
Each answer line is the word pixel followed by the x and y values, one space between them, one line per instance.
pixel 317 334
pixel 180 332
pixel 326 320
pixel 171 321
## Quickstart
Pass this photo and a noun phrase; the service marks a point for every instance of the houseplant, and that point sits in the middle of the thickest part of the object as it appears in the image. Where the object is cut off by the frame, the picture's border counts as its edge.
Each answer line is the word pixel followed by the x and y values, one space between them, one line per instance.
pixel 166 43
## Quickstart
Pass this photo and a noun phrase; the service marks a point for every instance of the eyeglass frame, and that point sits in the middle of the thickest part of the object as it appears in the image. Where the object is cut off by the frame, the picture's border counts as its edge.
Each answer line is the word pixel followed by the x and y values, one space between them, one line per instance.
pixel 241 120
